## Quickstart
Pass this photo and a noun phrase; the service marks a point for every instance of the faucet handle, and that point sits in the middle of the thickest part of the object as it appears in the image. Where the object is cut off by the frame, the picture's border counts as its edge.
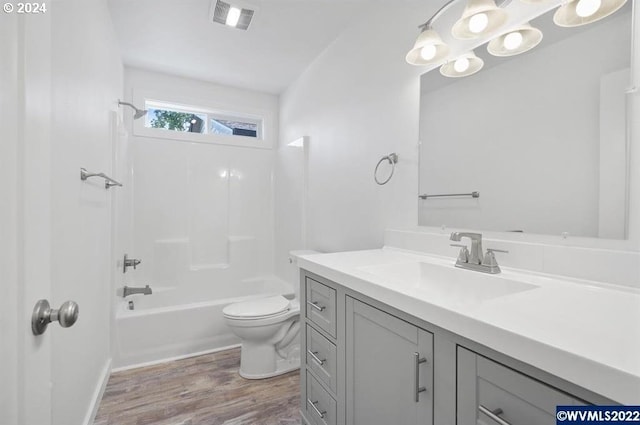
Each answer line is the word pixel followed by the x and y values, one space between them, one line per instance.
pixel 490 258
pixel 463 255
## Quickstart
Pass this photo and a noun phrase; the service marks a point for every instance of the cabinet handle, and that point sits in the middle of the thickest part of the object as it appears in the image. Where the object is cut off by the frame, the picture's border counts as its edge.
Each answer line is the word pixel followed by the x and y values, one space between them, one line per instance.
pixel 493 415
pixel 313 404
pixel 314 356
pixel 417 362
pixel 315 305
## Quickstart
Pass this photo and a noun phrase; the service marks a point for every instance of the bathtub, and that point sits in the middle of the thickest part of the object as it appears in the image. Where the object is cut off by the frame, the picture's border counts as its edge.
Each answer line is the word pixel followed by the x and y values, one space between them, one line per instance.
pixel 174 322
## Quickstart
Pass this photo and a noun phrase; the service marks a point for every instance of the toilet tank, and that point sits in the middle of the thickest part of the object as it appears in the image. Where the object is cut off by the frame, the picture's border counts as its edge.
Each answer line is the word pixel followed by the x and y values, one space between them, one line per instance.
pixel 294 270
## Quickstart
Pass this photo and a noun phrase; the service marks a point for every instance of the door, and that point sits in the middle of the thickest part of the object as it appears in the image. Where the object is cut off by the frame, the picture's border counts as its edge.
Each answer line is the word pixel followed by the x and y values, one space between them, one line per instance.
pixel 389 369
pixel 25 249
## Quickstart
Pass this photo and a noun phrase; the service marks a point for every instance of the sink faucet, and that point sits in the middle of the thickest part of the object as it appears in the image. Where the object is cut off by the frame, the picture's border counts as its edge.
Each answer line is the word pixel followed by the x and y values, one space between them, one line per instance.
pixel 127 290
pixel 474 259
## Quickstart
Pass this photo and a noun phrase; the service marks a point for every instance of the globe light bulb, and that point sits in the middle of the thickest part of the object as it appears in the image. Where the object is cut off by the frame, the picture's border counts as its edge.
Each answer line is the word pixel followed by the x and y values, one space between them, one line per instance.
pixel 428 52
pixel 513 40
pixel 461 65
pixel 479 22
pixel 586 8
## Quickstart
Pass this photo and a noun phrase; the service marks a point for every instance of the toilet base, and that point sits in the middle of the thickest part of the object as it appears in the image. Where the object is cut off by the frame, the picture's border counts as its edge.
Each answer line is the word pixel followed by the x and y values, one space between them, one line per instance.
pixel 260 361
pixel 283 367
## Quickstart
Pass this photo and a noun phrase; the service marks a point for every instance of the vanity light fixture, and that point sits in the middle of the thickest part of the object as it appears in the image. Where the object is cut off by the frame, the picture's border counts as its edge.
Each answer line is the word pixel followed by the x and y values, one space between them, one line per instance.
pixel 480 17
pixel 463 66
pixel 516 41
pixel 483 17
pixel 582 12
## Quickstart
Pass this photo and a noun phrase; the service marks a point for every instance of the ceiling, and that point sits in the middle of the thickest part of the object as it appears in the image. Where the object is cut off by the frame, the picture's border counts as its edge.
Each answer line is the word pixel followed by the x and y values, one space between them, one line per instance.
pixel 177 37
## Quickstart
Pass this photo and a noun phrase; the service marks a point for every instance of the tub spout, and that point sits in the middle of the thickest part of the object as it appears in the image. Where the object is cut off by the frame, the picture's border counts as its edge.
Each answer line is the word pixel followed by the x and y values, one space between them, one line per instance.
pixel 127 290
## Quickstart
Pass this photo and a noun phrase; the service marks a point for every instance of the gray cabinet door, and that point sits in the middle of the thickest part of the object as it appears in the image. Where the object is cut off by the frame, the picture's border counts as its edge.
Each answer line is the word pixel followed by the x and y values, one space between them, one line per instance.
pixel 382 368
pixel 511 397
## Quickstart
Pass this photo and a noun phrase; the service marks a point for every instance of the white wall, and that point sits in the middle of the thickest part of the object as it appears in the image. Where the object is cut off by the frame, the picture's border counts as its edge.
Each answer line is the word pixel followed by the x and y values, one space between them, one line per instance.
pixel 202 212
pixel 357 102
pixel 537 167
pixel 86 83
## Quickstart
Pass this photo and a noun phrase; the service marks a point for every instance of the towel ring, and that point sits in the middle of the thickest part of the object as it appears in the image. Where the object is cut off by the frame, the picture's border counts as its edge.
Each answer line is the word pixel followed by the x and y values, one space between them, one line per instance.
pixel 393 160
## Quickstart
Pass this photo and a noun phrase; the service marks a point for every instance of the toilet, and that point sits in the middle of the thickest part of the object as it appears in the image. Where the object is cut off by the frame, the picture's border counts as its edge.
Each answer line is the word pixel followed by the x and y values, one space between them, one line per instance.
pixel 269 328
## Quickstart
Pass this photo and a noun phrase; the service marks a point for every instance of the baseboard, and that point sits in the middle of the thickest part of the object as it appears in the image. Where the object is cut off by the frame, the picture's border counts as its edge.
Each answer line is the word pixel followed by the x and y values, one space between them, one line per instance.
pixel 98 393
pixel 170 359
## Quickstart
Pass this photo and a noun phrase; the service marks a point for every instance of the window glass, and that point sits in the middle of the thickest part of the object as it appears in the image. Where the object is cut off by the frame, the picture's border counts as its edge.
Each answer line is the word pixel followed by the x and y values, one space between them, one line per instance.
pixel 176 120
pixel 233 128
pixel 193 120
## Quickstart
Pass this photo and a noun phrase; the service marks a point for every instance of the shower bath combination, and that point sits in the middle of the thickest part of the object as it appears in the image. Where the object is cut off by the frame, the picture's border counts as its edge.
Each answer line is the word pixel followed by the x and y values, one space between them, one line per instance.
pixel 139 113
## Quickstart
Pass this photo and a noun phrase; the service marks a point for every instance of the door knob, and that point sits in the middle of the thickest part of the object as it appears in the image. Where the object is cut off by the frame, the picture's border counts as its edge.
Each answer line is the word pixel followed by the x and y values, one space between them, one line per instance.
pixel 43 314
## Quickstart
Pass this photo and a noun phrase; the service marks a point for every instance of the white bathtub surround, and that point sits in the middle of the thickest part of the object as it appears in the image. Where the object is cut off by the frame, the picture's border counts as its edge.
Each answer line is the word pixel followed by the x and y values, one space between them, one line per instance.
pixel 579 331
pixel 174 323
pixel 201 221
pixel 203 212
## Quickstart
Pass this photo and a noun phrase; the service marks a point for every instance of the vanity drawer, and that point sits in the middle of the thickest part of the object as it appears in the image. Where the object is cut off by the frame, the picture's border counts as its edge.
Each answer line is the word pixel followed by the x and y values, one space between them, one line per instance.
pixel 320 406
pixel 321 306
pixel 321 358
pixel 484 385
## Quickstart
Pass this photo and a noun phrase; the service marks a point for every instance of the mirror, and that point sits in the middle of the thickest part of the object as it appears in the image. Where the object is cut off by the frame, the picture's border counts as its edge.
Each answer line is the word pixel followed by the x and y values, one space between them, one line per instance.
pixel 540 136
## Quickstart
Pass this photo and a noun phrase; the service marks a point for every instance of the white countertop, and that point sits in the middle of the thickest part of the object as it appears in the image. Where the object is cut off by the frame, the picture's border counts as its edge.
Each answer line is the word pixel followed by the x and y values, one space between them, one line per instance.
pixel 583 332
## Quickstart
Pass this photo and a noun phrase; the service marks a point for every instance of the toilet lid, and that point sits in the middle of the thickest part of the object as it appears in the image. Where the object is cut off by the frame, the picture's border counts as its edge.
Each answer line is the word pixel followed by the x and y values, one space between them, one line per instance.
pixel 261 307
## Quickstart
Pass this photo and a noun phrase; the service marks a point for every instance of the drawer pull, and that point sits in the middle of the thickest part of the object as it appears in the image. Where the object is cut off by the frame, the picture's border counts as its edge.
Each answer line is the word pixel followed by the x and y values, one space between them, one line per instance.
pixel 418 361
pixel 313 404
pixel 315 305
pixel 314 356
pixel 493 415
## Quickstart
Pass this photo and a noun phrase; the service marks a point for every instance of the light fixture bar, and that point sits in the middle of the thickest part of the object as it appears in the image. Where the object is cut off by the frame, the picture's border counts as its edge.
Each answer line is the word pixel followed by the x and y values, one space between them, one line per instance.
pixel 436 15
pixel 429 22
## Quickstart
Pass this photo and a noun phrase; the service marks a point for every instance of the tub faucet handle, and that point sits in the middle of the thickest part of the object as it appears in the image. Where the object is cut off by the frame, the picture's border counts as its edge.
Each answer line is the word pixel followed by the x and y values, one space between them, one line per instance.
pixel 130 262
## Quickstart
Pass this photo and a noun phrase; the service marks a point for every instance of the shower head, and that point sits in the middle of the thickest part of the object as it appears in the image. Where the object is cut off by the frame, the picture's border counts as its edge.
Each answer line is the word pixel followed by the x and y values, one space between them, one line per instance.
pixel 139 113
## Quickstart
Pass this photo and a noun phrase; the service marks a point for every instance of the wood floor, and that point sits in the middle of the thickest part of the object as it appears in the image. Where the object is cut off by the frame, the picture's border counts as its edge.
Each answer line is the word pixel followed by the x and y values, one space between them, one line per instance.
pixel 204 390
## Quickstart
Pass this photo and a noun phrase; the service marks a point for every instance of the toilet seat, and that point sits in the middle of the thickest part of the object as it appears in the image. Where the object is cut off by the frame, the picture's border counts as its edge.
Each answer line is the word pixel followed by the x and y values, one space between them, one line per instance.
pixel 261 308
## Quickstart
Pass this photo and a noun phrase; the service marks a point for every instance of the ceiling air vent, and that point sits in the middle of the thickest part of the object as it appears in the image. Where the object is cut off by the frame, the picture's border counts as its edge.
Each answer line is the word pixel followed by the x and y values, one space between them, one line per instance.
pixel 233 14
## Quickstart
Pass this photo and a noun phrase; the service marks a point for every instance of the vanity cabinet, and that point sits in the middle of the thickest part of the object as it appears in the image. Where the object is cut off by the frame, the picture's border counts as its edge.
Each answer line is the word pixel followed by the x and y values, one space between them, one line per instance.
pixel 319 363
pixel 389 368
pixel 490 392
pixel 367 363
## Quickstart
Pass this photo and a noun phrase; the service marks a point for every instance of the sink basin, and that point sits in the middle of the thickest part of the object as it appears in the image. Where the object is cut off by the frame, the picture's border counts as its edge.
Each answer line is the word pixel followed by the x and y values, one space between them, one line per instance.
pixel 446 284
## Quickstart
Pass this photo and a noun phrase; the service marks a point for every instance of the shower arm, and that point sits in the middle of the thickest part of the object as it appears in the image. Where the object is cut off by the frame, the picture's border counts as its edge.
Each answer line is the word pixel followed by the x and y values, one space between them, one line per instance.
pixel 139 113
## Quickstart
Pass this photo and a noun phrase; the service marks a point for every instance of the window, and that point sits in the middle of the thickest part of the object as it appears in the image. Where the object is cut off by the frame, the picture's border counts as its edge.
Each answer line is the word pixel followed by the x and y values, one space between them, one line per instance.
pixel 195 120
